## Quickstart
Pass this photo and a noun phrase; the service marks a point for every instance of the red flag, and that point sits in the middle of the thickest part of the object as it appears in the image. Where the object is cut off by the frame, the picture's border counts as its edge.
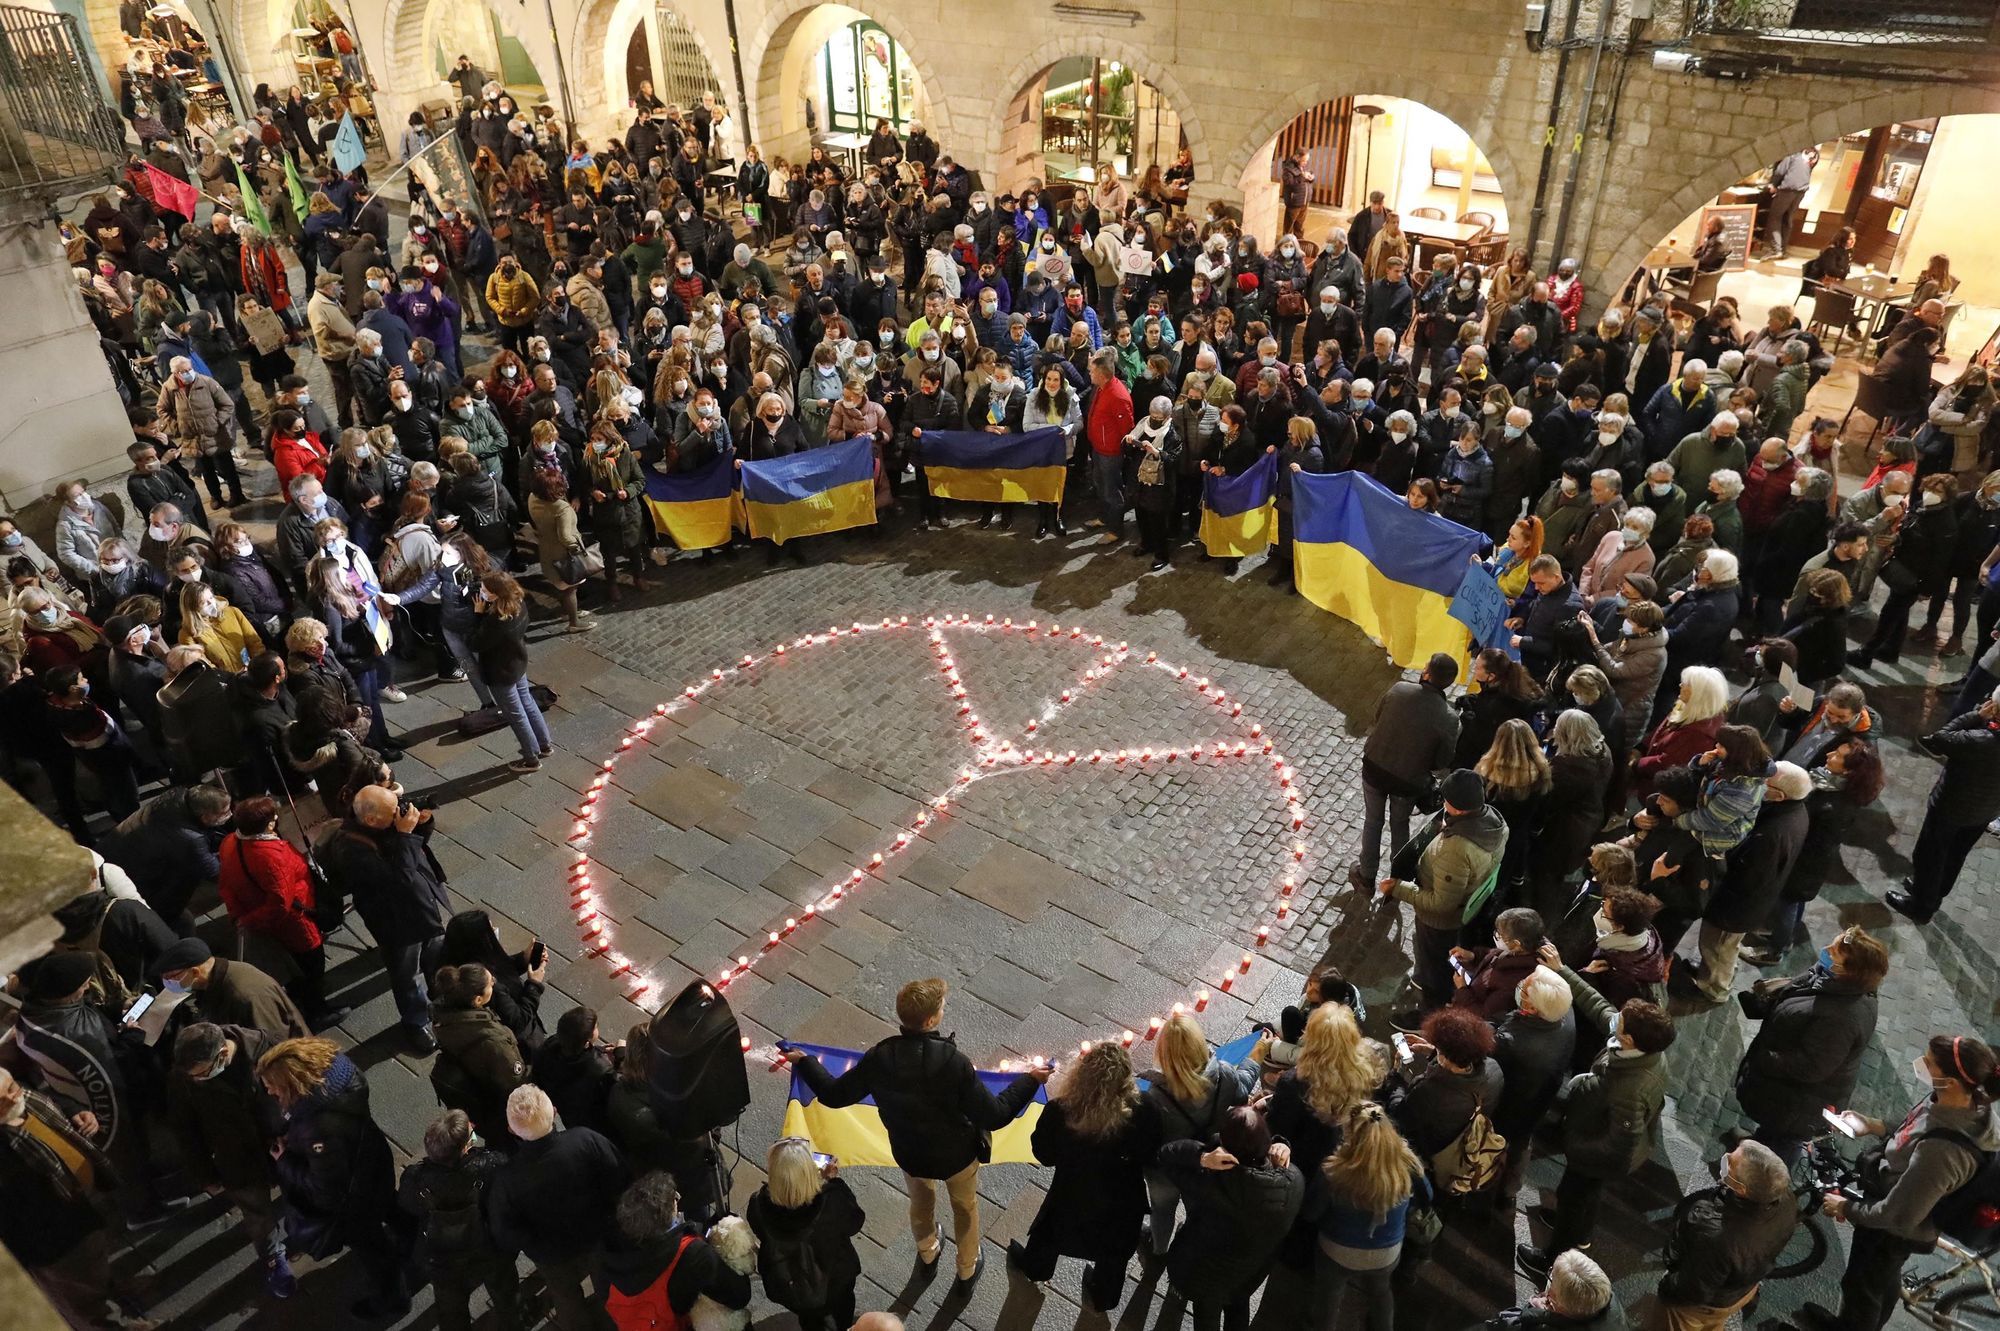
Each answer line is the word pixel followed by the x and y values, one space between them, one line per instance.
pixel 175 195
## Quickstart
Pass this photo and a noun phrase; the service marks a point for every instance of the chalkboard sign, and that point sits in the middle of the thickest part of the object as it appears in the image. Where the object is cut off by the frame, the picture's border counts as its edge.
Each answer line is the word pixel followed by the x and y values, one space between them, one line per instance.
pixel 1739 231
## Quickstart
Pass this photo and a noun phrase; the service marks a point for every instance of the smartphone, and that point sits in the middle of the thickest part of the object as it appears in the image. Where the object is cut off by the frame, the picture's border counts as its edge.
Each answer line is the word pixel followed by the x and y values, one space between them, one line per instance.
pixel 822 1160
pixel 1459 966
pixel 1403 1053
pixel 1837 1121
pixel 537 954
pixel 138 1008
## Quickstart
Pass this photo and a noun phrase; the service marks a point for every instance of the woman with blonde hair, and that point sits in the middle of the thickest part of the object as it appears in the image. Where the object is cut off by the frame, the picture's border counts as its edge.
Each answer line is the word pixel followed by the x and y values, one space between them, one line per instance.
pixel 1334 1073
pixel 1516 772
pixel 1508 288
pixel 335 1174
pixel 1099 1136
pixel 225 637
pixel 1689 730
pixel 1189 1092
pixel 1359 1210
pixel 806 1210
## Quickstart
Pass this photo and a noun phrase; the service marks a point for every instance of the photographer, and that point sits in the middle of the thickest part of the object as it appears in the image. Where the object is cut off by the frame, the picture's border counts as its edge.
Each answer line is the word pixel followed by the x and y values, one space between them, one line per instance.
pixel 381 857
pixel 1907 1182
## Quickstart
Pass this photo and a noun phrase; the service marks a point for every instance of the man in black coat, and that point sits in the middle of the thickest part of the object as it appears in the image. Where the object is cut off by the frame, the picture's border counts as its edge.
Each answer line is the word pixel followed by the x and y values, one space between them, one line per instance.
pixel 554 1201
pixel 157 476
pixel 1550 602
pixel 1965 798
pixel 939 1116
pixel 381 857
pixel 168 846
pixel 1534 1045
pixel 223 1120
pixel 1808 1050
pixel 1726 1239
pixel 1755 875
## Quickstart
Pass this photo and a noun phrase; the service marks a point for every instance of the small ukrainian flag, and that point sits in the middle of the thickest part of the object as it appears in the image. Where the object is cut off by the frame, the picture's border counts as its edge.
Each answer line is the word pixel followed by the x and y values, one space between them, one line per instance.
pixel 1239 514
pixel 811 493
pixel 995 468
pixel 694 508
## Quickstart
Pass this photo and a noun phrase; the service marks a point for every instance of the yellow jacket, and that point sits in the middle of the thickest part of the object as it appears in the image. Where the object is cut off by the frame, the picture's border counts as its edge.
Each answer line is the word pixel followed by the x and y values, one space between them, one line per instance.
pixel 514 303
pixel 229 642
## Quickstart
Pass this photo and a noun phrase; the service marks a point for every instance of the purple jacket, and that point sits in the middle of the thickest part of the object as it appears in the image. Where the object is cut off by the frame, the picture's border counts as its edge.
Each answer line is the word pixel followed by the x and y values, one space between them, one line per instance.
pixel 429 313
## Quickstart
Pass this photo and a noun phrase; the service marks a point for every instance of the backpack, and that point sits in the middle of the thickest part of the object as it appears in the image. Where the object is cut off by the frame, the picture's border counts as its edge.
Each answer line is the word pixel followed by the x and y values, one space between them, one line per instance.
pixel 1472 1161
pixel 453 1231
pixel 792 1274
pixel 648 1310
pixel 1970 1214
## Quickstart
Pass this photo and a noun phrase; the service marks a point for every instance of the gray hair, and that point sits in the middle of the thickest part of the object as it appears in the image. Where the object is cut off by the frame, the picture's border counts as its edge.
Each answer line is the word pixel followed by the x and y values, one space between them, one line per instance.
pixel 1362 386
pixel 1728 480
pixel 1796 351
pixel 1662 468
pixel 1641 516
pixel 1610 420
pixel 1544 993
pixel 300 482
pixel 767 400
pixel 1270 342
pixel 1162 403
pixel 1577 735
pixel 1814 483
pixel 1268 375
pixel 366 336
pixel 1728 418
pixel 1577 1286
pixel 1409 421
pixel 531 1115
pixel 1763 1176
pixel 1730 362
pixel 1694 366
pixel 1610 477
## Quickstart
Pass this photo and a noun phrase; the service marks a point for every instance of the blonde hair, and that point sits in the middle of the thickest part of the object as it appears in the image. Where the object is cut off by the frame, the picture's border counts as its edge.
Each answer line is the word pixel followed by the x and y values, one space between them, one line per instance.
pixel 1704 693
pixel 1514 764
pixel 1096 1091
pixel 1374 1166
pixel 1182 1053
pixel 1337 1072
pixel 293 1069
pixel 303 634
pixel 531 1115
pixel 193 622
pixel 793 1176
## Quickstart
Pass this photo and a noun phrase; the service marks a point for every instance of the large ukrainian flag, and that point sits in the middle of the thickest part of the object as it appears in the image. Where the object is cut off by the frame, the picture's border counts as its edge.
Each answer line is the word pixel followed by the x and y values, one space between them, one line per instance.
pixel 811 493
pixel 856 1135
pixel 1239 514
pixel 1366 555
pixel 694 508
pixel 995 468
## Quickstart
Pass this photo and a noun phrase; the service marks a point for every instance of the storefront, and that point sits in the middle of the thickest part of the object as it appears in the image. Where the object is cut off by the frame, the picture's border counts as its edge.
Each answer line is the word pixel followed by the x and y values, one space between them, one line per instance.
pixel 865 77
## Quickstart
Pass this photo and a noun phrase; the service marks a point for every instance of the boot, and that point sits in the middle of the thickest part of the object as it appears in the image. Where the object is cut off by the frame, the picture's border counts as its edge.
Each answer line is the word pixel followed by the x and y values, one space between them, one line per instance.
pixel 1954 645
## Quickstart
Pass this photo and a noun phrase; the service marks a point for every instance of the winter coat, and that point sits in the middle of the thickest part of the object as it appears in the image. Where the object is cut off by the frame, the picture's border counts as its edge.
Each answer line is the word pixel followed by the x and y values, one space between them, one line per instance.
pixel 1699 455
pixel 1967 790
pixel 578 1081
pixel 1576 811
pixel 238 994
pixel 456 1191
pixel 224 1125
pixel 1610 1114
pixel 620 524
pixel 1455 862
pixel 1757 867
pixel 267 890
pixel 939 1116
pixel 1807 1053
pixel 1631 972
pixel 1634 665
pixel 1434 1105
pixel 166 850
pixel 1413 736
pixel 201 413
pixel 1922 557
pixel 1612 561
pixel 1495 976
pixel 478 1066
pixel 1480 716
pixel 517 301
pixel 335 1174
pixel 1534 1056
pixel 827 1225
pixel 556 1197
pixel 1698 625
pixel 1236 1218
pixel 393 878
pixel 1721 1245
pixel 1097 1195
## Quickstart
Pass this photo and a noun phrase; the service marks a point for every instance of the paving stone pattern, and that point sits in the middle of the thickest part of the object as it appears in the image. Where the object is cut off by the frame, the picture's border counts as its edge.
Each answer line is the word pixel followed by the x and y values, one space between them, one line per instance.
pixel 1061 904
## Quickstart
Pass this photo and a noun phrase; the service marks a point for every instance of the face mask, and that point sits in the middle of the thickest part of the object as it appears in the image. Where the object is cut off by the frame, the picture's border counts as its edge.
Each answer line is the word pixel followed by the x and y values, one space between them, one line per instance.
pixel 378 284
pixel 1449 413
pixel 931 353
pixel 1399 435
pixel 1327 307
pixel 331 545
pixel 115 567
pixel 175 986
pixel 160 533
pixel 1602 925
pixel 192 575
pixel 1359 401
pixel 1932 499
pixel 1490 409
pixel 718 372
pixel 1826 960
pixel 1923 1071
pixel 401 403
pixel 1631 630
pixel 206 609
pixel 1632 538
pixel 1288 251
pixel 45 617
pixel 508 372
pixel 1466 284
pixel 412 288
pixel 659 290
pixel 430 266
pixel 988 306
pixel 709 410
pixel 684 269
pixel 13 540
pixel 1662 487
pixel 542 356
pixel 1606 438
pixel 1568 486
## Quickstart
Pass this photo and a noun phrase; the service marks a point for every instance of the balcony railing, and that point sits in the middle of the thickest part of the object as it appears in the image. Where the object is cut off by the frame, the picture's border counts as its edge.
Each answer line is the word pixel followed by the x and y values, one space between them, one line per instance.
pixel 56 134
pixel 1932 23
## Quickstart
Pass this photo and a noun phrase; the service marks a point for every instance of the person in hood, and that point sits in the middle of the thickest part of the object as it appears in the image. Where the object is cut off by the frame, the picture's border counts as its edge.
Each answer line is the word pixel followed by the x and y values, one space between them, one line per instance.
pixel 1462 855
pixel 806 1213
pixel 1941 1145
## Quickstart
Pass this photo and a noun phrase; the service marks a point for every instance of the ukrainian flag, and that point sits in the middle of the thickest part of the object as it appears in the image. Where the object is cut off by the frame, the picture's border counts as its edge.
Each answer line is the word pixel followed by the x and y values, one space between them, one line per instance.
pixel 855 1135
pixel 694 508
pixel 1239 514
pixel 811 493
pixel 995 468
pixel 1366 555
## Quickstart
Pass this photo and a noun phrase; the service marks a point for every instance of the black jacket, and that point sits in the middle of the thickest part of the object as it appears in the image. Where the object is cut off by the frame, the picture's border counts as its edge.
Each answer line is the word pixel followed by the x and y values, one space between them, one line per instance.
pixel 1434 1106
pixel 1097 1195
pixel 827 1225
pixel 167 851
pixel 1534 1057
pixel 1236 1218
pixel 336 1172
pixel 939 1116
pixel 448 1203
pixel 394 880
pixel 1968 787
pixel 1536 1317
pixel 1757 868
pixel 633 1267
pixel 1807 1053
pixel 224 1125
pixel 579 1083
pixel 501 645
pixel 1722 1245
pixel 554 1200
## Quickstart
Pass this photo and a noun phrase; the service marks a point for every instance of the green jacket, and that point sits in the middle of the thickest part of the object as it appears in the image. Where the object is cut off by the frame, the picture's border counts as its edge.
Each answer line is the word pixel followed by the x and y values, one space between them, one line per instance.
pixel 1728 523
pixel 645 258
pixel 1451 866
pixel 1610 1114
pixel 483 434
pixel 1784 400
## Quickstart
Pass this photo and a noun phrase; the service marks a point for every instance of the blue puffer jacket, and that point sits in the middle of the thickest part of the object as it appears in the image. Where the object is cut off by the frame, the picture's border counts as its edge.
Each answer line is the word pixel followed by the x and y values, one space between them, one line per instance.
pixel 1348 1226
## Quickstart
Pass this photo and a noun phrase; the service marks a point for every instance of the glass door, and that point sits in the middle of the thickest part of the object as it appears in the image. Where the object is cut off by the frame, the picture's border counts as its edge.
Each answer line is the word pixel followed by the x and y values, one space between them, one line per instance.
pixel 867 80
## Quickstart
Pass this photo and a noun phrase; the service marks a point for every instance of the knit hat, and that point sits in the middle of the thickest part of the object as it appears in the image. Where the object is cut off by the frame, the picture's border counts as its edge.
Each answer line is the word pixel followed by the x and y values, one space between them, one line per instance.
pixel 183 955
pixel 60 974
pixel 1790 780
pixel 1465 790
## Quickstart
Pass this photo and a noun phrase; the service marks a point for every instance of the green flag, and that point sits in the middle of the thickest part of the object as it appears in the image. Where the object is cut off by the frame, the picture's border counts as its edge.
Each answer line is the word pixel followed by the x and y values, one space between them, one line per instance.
pixel 299 204
pixel 252 207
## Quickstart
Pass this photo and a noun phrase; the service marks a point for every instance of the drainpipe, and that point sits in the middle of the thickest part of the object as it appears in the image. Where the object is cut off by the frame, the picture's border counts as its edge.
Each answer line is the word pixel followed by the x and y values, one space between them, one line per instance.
pixel 1585 114
pixel 562 72
pixel 1540 209
pixel 736 63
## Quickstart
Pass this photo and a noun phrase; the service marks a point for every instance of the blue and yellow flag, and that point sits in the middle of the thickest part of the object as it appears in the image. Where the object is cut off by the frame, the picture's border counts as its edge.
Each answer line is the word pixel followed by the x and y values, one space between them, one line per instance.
pixel 1366 555
pixel 811 493
pixel 1239 514
pixel 695 508
pixel 995 468
pixel 855 1135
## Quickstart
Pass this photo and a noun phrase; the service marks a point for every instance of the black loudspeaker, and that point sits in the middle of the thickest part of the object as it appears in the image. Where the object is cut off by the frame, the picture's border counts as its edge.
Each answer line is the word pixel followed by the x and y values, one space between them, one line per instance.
pixel 696 1066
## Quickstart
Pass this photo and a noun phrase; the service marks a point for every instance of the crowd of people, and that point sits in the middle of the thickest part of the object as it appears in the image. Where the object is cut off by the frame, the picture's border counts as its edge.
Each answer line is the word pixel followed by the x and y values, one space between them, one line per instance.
pixel 659 302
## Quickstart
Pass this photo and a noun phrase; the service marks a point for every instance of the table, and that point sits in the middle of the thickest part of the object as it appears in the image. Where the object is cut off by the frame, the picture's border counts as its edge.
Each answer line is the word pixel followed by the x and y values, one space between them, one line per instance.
pixel 850 146
pixel 1877 295
pixel 1440 234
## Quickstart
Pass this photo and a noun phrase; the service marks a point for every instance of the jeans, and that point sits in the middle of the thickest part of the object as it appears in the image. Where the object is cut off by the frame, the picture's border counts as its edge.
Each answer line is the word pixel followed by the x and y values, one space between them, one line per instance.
pixel 1107 478
pixel 524 716
pixel 260 1219
pixel 1778 232
pixel 1165 1196
pixel 368 684
pixel 1330 1282
pixel 1938 857
pixel 407 964
pixel 963 1190
pixel 461 652
pixel 1399 808
pixel 1783 1145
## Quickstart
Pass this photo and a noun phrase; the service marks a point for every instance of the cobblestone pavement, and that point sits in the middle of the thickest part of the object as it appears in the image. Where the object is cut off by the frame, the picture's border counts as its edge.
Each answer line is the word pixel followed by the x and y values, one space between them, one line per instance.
pixel 1061 904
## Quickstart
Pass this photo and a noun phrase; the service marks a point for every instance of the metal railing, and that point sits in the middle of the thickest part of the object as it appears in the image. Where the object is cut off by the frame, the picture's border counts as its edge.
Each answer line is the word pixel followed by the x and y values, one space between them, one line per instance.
pixel 1933 23
pixel 56 134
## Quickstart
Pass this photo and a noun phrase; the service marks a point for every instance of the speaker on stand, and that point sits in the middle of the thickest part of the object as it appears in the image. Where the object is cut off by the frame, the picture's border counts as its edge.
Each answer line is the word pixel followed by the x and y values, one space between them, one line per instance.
pixel 699 1083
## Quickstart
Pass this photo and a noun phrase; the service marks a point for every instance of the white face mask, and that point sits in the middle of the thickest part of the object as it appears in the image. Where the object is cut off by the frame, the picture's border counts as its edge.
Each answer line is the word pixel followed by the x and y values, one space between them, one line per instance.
pixel 401 403
pixel 1606 438
pixel 508 372
pixel 1449 413
pixel 1327 307
pixel 1932 499
pixel 1631 630
pixel 1399 435
pixel 1466 284
pixel 1568 485
pixel 1601 925
pixel 191 575
pixel 1489 409
pixel 115 567
pixel 1288 251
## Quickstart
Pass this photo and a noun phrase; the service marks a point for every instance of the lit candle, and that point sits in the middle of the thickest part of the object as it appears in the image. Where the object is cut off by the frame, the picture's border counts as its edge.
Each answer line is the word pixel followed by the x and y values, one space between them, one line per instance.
pixel 1244 965
pixel 1201 1000
pixel 1263 934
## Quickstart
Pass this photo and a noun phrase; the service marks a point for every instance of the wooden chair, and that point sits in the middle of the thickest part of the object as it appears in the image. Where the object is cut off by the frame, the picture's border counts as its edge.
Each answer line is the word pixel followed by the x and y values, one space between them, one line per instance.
pixel 1479 219
pixel 1832 309
pixel 1435 214
pixel 1871 400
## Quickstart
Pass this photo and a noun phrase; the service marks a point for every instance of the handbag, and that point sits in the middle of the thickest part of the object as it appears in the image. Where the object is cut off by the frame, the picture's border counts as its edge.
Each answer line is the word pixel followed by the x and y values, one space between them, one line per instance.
pixel 579 565
pixel 1291 304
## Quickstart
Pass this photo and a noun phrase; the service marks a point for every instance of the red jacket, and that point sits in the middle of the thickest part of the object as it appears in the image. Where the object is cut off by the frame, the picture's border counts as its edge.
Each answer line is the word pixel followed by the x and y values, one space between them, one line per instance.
pixel 266 890
pixel 1674 745
pixel 1766 492
pixel 1110 418
pixel 294 457
pixel 262 268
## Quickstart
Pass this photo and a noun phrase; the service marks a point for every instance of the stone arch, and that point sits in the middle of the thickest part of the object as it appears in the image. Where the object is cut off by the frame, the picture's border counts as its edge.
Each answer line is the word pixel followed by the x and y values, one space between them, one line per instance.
pixel 260 36
pixel 1108 46
pixel 603 28
pixel 403 62
pixel 1465 111
pixel 764 59
pixel 1729 165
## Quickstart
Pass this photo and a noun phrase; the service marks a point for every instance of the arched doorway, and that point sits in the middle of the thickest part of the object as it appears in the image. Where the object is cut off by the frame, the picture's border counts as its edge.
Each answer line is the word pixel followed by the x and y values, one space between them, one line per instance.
pixel 1084 114
pixel 620 44
pixel 425 40
pixel 1428 169
pixel 826 73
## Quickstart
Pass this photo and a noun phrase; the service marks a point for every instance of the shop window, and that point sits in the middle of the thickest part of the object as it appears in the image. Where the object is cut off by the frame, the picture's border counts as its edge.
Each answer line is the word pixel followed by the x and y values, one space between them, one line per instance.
pixel 868 78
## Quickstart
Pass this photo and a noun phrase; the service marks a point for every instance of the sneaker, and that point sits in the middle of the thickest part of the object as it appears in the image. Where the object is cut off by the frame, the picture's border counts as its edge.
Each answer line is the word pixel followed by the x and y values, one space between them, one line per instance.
pixel 581 626
pixel 548 751
pixel 454 676
pixel 525 765
pixel 278 1277
pixel 390 693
